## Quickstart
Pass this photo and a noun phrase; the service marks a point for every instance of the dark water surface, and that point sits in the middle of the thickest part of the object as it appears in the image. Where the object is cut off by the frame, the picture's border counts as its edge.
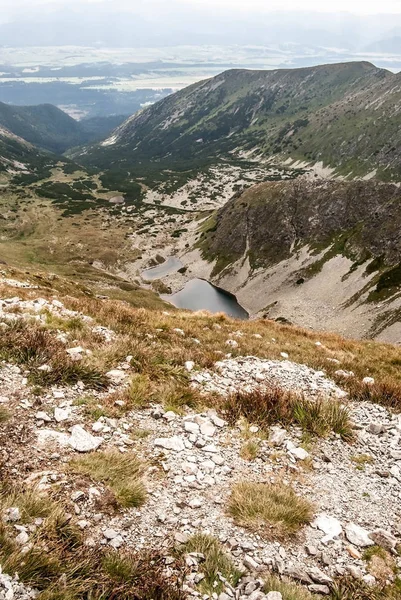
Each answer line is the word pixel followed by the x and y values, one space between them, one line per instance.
pixel 201 295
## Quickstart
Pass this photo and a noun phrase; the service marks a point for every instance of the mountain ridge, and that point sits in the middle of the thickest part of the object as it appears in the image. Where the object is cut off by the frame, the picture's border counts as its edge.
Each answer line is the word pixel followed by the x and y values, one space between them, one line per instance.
pixel 343 115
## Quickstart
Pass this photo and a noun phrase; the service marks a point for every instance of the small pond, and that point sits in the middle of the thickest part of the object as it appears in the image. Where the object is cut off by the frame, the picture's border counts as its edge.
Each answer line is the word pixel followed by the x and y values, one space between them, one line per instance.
pixel 171 265
pixel 198 294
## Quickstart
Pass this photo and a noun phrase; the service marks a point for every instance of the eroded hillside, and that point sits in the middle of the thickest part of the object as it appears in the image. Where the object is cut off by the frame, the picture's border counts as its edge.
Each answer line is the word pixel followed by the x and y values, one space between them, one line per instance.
pixel 319 253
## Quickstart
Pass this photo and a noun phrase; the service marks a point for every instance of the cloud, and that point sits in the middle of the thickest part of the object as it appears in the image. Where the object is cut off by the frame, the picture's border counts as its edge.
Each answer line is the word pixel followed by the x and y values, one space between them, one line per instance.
pixel 350 6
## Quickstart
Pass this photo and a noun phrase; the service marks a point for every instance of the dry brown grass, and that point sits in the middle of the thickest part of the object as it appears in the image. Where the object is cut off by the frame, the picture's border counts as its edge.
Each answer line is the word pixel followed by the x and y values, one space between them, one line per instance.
pixel 61 567
pixel 159 352
pixel 275 510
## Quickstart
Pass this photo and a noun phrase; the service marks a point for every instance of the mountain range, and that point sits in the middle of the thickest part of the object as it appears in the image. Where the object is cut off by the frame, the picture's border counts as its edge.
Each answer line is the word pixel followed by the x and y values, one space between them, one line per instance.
pixel 316 242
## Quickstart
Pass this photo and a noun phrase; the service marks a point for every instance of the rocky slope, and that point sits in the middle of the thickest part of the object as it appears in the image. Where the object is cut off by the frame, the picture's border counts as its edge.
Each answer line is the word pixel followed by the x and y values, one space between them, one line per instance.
pixel 346 116
pixel 79 384
pixel 319 253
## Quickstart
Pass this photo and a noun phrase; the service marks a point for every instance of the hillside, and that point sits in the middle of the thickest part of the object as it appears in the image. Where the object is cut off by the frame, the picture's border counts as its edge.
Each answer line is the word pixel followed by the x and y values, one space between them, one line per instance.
pixel 319 253
pixel 134 465
pixel 19 158
pixel 346 116
pixel 50 128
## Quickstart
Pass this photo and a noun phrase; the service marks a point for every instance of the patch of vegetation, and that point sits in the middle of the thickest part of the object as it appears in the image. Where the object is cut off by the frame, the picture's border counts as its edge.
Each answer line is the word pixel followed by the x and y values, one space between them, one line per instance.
pixel 272 406
pixel 275 510
pixel 215 562
pixel 353 589
pixel 5 415
pixel 61 567
pixel 120 472
pixel 386 392
pixel 361 460
pixel 33 346
pixel 250 450
pixel 287 588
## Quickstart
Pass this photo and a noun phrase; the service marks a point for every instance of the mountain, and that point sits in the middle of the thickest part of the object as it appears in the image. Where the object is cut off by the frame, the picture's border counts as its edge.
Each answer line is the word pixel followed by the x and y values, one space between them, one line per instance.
pixel 320 253
pixel 346 116
pixel 50 128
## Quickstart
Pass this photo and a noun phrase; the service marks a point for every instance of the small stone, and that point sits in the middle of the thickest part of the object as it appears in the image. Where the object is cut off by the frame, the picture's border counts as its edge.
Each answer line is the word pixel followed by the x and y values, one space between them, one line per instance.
pixel 329 525
pixel 368 380
pixel 385 539
pixel 61 414
pixel 189 365
pixel 250 563
pixel 116 376
pixel 376 428
pixel 195 503
pixel 78 495
pixel 13 514
pixel 319 576
pixel 274 596
pixel 217 421
pixel 277 436
pixel 43 416
pixel 22 538
pixel 357 535
pixel 284 355
pixel 207 429
pixel 298 574
pixel 110 534
pixel 324 590
pixel 82 441
pixel 174 443
pixel 190 427
pixel 116 542
pixel 353 552
pixel 169 416
pixel 181 538
pixel 299 453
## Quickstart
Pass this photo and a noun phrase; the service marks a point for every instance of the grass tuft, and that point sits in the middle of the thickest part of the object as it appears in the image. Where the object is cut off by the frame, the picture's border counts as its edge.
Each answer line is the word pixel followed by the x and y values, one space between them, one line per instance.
pixel 274 509
pixel 386 392
pixel 216 562
pixel 271 406
pixel 5 414
pixel 287 588
pixel 120 472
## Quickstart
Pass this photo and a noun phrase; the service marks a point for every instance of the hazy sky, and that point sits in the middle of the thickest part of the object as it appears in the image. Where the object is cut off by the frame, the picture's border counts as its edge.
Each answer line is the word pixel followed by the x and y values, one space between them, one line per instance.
pixel 354 6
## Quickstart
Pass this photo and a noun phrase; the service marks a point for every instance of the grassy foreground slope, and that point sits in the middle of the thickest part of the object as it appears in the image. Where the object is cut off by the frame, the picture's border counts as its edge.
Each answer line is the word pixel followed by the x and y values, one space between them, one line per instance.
pixel 63 560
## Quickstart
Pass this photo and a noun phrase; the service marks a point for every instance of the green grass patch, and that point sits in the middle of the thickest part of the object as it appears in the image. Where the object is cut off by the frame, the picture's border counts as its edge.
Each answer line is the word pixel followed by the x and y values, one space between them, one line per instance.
pixel 120 472
pixel 274 510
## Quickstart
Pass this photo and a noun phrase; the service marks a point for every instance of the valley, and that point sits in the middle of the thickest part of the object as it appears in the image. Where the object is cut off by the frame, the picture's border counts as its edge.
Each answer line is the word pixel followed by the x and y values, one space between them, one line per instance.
pixel 200 329
pixel 226 204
